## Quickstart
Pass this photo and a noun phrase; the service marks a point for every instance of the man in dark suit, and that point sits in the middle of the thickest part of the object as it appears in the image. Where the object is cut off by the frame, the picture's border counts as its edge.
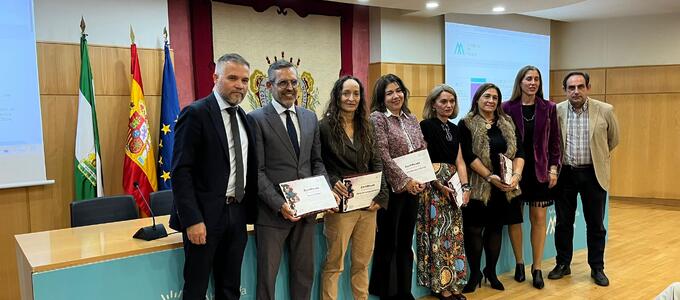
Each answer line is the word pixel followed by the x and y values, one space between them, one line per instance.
pixel 214 182
pixel 288 148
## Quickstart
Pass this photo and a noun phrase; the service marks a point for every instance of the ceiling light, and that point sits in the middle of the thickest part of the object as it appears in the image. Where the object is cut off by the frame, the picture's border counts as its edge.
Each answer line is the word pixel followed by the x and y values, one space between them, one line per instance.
pixel 498 9
pixel 362 1
pixel 432 5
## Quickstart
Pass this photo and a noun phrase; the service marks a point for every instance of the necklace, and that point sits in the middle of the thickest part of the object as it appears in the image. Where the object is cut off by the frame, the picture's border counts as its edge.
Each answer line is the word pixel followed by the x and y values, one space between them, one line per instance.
pixel 529 119
pixel 488 124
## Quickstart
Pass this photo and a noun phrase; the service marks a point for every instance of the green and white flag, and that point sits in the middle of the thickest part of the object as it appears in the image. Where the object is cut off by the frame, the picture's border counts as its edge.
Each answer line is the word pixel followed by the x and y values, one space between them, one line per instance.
pixel 88 167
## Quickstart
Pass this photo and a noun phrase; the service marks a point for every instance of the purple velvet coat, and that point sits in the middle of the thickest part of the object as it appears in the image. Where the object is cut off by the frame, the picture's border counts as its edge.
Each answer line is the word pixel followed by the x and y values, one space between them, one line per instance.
pixel 547 137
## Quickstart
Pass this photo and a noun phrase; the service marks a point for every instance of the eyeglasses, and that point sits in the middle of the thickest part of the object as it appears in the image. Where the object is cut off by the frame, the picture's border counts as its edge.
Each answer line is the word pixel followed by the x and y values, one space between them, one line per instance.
pixel 285 83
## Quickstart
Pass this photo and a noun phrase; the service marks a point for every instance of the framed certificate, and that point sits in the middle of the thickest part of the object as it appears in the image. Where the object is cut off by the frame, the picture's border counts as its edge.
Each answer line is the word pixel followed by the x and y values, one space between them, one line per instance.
pixel 506 169
pixel 309 195
pixel 362 190
pixel 455 184
pixel 417 165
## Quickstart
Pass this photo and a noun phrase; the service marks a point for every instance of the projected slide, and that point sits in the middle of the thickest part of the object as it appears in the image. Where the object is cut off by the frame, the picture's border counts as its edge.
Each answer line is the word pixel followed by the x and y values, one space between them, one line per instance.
pixel 21 143
pixel 476 55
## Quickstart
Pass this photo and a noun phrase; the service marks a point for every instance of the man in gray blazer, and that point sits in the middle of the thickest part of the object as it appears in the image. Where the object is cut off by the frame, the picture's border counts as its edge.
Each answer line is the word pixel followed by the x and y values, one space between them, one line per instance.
pixel 288 148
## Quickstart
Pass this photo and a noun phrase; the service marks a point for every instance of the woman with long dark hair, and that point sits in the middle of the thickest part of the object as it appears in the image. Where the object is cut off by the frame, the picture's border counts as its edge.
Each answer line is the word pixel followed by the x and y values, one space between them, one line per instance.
pixel 536 121
pixel 348 149
pixel 486 132
pixel 397 133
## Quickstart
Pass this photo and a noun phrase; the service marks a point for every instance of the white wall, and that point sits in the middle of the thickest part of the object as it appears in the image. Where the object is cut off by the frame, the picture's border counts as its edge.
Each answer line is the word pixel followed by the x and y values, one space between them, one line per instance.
pixel 402 39
pixel 508 22
pixel 108 22
pixel 630 41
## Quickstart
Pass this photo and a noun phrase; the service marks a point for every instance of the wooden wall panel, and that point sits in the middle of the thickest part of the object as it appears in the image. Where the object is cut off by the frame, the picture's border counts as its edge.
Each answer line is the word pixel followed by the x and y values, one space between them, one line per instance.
pixel 49 203
pixel 646 161
pixel 14 216
pixel 46 207
pixel 597 81
pixel 642 80
pixel 418 78
pixel 59 69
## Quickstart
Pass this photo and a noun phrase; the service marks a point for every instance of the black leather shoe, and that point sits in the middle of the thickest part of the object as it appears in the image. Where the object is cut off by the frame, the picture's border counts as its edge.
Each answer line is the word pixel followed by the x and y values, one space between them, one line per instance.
pixel 559 271
pixel 599 277
pixel 519 273
pixel 538 278
pixel 493 279
pixel 474 281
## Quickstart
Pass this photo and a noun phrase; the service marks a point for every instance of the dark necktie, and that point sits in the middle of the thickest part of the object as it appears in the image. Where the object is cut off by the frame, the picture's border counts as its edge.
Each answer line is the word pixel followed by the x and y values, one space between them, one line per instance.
pixel 292 133
pixel 240 190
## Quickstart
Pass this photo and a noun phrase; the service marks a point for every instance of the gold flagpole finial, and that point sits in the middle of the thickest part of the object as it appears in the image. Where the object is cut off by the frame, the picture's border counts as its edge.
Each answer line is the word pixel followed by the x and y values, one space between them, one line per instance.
pixel 82 25
pixel 165 34
pixel 132 35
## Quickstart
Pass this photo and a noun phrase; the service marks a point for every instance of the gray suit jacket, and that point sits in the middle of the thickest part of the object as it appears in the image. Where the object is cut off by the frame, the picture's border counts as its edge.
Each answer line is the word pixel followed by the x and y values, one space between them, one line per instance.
pixel 278 163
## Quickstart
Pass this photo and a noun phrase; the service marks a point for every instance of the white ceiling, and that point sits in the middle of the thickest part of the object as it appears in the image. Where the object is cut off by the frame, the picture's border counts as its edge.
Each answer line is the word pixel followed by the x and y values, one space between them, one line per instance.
pixel 562 10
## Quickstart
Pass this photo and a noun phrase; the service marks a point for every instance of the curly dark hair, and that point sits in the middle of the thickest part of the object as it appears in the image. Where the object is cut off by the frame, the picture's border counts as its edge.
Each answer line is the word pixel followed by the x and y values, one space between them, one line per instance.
pixel 361 123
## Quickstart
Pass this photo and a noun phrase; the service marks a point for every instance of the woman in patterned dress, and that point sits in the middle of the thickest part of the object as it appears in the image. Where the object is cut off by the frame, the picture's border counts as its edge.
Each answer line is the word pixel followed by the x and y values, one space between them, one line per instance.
pixel 439 229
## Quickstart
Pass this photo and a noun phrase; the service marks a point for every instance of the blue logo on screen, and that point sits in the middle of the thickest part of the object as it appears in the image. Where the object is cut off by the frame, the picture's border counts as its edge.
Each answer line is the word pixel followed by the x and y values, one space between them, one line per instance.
pixel 460 50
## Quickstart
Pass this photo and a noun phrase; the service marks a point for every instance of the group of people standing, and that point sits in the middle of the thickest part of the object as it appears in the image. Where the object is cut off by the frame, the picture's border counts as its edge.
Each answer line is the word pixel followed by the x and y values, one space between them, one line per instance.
pixel 227 166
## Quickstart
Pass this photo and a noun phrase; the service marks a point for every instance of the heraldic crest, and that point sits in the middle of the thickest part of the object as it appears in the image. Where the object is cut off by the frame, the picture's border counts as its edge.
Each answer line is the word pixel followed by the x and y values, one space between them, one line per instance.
pixel 259 96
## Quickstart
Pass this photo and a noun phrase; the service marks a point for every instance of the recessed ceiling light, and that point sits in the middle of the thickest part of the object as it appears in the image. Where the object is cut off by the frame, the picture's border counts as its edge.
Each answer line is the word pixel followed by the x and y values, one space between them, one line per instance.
pixel 362 1
pixel 432 5
pixel 498 9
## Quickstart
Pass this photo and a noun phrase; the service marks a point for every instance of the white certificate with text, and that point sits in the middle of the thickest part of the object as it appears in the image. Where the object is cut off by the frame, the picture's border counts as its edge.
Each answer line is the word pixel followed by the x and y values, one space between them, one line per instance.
pixel 455 184
pixel 308 195
pixel 362 190
pixel 417 165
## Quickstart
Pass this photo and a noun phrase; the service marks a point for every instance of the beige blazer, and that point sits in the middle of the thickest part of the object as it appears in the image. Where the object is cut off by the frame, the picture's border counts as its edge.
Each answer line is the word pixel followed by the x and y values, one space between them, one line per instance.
pixel 604 135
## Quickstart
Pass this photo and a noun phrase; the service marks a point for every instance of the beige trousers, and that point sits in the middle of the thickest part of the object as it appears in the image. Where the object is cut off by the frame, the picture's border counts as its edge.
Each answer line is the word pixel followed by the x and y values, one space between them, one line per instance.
pixel 339 228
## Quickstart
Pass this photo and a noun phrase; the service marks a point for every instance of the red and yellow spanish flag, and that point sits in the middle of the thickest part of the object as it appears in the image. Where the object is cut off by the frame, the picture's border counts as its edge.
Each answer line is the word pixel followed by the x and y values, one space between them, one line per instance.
pixel 139 168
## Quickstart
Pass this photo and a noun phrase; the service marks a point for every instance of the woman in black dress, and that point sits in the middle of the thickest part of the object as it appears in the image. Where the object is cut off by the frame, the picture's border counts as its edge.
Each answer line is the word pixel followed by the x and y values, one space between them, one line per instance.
pixel 536 120
pixel 486 132
pixel 439 227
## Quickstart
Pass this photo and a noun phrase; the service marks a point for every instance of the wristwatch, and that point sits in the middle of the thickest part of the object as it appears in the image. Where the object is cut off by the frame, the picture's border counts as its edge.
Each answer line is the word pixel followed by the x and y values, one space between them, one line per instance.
pixel 466 187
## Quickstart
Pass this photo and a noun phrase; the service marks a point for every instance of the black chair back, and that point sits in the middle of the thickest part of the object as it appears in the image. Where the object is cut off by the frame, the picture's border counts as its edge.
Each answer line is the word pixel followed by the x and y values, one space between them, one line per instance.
pixel 161 202
pixel 103 210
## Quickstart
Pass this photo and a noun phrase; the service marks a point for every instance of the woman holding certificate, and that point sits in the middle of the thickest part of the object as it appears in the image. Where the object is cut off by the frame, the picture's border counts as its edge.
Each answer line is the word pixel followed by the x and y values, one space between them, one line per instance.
pixel 536 120
pixel 348 149
pixel 488 138
pixel 439 230
pixel 397 133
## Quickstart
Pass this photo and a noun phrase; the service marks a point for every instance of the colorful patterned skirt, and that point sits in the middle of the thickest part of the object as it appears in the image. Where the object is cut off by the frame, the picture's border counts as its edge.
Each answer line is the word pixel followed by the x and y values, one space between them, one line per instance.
pixel 439 237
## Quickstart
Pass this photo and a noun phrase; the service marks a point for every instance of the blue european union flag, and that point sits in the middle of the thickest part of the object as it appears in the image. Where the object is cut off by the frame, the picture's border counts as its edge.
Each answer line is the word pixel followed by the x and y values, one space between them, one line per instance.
pixel 169 113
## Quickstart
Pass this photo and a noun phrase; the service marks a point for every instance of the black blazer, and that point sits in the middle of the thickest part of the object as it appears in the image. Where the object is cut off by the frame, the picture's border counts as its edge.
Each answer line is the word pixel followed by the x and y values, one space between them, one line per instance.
pixel 346 162
pixel 200 166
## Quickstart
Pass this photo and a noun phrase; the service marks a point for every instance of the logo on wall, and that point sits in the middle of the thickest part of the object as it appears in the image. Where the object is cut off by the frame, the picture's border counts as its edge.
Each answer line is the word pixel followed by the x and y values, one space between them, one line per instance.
pixel 307 93
pixel 552 221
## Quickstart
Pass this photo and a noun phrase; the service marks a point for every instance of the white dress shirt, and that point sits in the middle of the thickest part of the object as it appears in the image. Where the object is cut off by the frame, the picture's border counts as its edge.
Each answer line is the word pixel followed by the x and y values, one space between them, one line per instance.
pixel 282 114
pixel 231 185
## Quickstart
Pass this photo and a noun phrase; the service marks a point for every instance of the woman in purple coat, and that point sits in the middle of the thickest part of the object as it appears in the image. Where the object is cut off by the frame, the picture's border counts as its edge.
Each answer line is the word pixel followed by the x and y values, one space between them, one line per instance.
pixel 536 120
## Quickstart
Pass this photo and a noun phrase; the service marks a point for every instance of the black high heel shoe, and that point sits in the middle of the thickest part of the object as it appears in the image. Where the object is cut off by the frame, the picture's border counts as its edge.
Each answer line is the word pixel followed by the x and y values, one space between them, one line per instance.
pixel 493 280
pixel 474 281
pixel 519 273
pixel 538 278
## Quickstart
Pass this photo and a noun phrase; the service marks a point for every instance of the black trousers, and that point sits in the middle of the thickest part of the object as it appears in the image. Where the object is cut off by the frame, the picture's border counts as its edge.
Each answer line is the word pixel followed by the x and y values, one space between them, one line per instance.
pixel 393 254
pixel 222 254
pixel 574 181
